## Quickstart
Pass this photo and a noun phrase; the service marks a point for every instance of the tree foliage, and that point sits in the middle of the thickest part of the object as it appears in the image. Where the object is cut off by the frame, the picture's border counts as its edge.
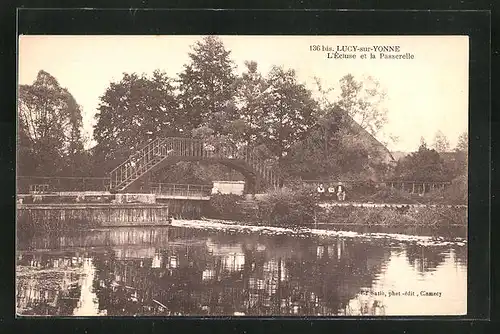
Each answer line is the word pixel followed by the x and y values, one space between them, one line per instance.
pixel 423 165
pixel 207 86
pixel 441 143
pixel 289 112
pixel 250 100
pixel 49 124
pixel 463 142
pixel 316 156
pixel 363 101
pixel 334 148
pixel 134 111
pixel 340 145
pixel 460 163
pixel 274 114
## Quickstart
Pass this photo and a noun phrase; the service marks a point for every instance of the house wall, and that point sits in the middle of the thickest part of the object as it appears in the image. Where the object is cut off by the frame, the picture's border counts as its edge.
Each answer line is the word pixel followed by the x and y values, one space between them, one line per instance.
pixel 229 187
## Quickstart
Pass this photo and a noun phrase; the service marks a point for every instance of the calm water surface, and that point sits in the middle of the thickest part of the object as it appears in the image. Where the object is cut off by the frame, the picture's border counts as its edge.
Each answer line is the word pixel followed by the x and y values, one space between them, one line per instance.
pixel 185 271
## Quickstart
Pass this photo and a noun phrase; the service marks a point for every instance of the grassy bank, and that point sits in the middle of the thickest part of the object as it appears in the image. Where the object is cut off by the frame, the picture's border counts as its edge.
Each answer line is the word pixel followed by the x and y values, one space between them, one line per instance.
pixel 394 216
pixel 299 207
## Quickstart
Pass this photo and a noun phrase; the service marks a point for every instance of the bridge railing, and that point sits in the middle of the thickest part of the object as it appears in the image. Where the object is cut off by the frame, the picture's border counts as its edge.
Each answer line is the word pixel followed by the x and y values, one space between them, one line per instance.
pixel 145 159
pixel 44 184
pixel 174 189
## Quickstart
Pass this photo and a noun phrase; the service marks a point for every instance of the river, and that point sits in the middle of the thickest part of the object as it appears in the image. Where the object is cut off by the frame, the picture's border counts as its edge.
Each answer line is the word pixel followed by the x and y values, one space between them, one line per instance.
pixel 194 270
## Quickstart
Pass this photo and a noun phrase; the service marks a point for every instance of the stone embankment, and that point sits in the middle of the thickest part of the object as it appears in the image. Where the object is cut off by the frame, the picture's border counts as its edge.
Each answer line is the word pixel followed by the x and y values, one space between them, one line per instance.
pixel 371 214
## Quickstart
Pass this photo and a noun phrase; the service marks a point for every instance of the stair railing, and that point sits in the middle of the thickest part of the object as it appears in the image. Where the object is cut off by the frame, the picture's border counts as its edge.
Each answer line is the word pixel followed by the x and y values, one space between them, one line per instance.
pixel 135 164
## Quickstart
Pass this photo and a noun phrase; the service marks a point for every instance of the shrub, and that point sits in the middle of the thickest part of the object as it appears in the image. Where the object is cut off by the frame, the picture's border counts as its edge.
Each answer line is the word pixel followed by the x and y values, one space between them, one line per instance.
pixel 440 216
pixel 361 190
pixel 389 195
pixel 289 207
pixel 458 192
pixel 224 206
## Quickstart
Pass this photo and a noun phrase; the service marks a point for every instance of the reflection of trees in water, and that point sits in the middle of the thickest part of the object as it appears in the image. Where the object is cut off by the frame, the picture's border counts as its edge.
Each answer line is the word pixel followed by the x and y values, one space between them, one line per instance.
pixel 461 255
pixel 340 269
pixel 298 277
pixel 425 259
pixel 180 272
pixel 50 285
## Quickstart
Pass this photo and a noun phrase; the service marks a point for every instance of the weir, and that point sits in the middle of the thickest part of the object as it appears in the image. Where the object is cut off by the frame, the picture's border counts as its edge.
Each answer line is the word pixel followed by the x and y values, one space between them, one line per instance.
pixel 95 214
pixel 103 208
pixel 110 214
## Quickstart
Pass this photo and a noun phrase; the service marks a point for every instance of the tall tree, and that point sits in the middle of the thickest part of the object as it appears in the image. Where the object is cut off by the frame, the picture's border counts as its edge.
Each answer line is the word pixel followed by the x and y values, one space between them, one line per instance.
pixel 463 142
pixel 334 148
pixel 423 143
pixel 289 112
pixel 134 111
pixel 250 101
pixel 317 156
pixel 441 143
pixel 461 160
pixel 358 116
pixel 363 101
pixel 423 165
pixel 50 123
pixel 207 86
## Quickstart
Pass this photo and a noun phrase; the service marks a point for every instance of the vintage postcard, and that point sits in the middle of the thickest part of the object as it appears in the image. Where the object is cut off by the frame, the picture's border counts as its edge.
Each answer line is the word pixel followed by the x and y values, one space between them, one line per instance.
pixel 242 175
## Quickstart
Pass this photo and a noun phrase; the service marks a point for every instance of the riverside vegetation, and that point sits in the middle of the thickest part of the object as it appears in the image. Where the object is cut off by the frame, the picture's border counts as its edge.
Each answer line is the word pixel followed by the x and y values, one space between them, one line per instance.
pixel 289 207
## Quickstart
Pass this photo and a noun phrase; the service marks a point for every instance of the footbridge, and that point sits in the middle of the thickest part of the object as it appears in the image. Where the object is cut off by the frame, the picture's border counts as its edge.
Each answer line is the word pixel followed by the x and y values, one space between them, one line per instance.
pixel 163 152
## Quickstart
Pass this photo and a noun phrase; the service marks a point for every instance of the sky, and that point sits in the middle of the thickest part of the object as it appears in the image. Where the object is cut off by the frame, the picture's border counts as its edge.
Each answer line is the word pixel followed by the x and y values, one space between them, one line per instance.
pixel 424 94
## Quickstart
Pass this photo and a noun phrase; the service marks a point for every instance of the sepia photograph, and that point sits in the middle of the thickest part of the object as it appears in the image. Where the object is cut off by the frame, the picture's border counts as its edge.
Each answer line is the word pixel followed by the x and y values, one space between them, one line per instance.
pixel 242 176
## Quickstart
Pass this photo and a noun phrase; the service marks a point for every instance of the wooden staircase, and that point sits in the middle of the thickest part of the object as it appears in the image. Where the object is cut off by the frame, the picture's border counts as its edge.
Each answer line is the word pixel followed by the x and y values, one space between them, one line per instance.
pixel 159 150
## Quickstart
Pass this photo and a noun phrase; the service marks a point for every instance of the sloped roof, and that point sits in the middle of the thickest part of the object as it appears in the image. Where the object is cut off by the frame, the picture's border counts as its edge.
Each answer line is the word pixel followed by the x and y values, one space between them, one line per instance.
pixel 367 135
pixel 398 155
pixel 358 129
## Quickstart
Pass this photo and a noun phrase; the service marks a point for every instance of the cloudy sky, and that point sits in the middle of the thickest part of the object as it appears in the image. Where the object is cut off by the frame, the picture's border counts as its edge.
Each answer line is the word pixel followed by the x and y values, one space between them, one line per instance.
pixel 424 94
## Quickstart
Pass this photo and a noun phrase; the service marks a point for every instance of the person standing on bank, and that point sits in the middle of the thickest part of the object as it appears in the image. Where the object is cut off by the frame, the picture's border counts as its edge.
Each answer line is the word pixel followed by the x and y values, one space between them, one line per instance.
pixel 321 191
pixel 331 192
pixel 341 192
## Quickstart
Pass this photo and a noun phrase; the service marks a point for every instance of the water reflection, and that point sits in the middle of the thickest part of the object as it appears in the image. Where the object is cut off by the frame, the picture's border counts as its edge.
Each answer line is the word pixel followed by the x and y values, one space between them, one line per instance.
pixel 179 271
